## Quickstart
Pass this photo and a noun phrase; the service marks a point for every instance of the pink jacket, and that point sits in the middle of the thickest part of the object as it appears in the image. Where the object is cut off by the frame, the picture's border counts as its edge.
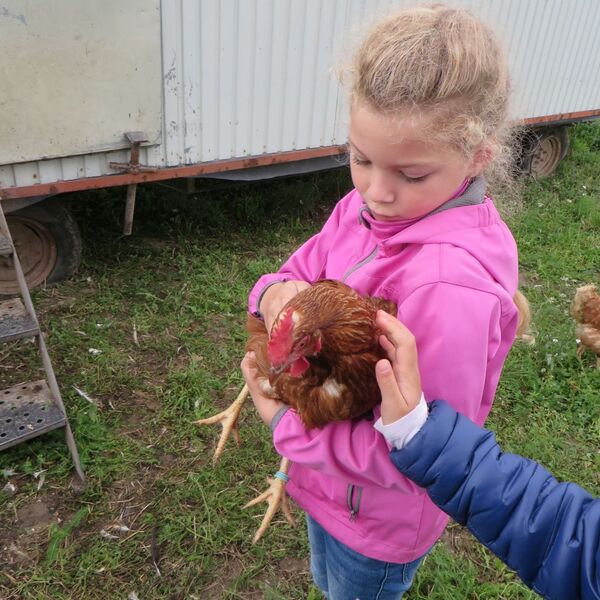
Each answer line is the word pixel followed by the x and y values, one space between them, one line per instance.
pixel 453 276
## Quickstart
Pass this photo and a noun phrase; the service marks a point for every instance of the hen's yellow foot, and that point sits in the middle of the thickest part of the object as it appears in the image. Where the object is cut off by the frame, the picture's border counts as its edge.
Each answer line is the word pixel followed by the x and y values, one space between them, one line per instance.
pixel 275 497
pixel 228 420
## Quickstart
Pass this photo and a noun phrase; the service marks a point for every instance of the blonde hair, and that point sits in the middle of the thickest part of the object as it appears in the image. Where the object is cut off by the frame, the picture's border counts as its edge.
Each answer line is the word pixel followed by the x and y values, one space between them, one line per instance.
pixel 444 64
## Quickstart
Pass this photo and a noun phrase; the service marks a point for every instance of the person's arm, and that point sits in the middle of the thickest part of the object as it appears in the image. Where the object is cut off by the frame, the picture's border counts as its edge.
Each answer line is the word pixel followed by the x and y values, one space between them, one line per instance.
pixel 305 266
pixel 349 450
pixel 458 334
pixel 549 532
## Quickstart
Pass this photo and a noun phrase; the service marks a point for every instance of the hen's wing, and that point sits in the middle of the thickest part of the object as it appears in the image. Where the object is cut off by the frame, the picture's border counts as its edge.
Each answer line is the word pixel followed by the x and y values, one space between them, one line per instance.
pixel 336 387
pixel 591 313
pixel 382 304
pixel 589 336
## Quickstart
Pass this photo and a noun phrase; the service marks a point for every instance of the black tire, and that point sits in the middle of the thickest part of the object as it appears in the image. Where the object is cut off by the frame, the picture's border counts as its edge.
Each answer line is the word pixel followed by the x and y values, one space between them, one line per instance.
pixel 48 244
pixel 543 149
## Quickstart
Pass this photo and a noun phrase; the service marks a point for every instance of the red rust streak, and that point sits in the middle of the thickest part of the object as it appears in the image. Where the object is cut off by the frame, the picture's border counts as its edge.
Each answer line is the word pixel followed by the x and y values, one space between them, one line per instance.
pixel 161 174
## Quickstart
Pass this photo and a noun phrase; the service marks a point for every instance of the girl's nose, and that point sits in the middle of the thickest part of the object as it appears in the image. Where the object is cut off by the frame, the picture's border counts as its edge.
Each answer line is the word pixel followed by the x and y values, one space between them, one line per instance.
pixel 380 188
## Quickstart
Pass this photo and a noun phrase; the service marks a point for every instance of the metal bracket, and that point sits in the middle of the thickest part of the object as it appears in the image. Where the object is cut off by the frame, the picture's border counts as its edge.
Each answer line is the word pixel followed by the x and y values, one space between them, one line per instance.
pixel 135 138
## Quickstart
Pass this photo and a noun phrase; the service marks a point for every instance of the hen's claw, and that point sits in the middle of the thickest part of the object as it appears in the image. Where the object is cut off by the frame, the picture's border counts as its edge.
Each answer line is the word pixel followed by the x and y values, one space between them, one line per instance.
pixel 228 420
pixel 275 497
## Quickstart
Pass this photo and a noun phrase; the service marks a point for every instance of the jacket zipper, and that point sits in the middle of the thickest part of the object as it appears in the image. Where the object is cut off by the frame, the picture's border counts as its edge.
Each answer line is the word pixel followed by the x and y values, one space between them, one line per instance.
pixel 354 507
pixel 360 264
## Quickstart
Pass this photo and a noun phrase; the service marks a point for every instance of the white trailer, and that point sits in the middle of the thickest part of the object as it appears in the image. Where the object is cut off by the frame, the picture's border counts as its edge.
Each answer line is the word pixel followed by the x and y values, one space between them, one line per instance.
pixel 100 94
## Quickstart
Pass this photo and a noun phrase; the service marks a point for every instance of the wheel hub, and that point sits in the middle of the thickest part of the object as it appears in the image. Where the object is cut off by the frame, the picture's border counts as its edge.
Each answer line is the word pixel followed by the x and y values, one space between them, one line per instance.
pixel 36 250
pixel 546 156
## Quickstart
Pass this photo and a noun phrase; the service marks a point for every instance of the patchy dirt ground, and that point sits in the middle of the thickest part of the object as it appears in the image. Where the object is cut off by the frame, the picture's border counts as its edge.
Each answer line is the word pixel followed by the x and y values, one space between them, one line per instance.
pixel 24 529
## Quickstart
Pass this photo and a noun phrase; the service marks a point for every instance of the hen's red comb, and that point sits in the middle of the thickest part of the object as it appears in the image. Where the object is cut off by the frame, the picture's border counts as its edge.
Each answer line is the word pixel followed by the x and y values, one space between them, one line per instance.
pixel 280 340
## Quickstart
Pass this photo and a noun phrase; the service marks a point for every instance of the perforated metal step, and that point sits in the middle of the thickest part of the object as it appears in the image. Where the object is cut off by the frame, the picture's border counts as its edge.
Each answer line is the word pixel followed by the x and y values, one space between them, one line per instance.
pixel 31 409
pixel 26 411
pixel 6 248
pixel 15 321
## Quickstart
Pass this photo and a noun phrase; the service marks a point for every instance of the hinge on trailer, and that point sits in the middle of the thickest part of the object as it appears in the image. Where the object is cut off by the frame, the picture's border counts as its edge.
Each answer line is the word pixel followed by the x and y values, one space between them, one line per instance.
pixel 135 138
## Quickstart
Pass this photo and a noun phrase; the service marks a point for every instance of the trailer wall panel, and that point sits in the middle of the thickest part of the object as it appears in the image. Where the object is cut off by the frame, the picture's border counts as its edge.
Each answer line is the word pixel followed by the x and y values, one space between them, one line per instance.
pixel 244 78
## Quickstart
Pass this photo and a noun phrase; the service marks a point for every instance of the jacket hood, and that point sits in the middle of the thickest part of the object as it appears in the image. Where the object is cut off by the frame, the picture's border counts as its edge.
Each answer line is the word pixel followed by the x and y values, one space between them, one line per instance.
pixel 476 228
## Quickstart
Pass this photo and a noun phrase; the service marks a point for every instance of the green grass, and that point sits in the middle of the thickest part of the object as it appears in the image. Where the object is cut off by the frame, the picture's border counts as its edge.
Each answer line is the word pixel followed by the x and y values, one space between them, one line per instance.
pixel 181 281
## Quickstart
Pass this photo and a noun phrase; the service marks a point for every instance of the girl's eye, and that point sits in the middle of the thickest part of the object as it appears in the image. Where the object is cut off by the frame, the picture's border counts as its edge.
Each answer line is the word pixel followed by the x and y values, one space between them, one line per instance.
pixel 358 161
pixel 414 179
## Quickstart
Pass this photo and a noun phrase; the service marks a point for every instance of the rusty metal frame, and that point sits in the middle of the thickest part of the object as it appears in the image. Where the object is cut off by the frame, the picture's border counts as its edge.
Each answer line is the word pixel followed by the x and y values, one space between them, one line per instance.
pixel 562 118
pixel 135 138
pixel 161 174
pixel 220 166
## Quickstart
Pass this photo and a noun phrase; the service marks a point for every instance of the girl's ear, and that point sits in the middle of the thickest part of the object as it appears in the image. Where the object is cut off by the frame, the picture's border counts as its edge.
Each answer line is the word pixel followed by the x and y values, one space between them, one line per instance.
pixel 484 154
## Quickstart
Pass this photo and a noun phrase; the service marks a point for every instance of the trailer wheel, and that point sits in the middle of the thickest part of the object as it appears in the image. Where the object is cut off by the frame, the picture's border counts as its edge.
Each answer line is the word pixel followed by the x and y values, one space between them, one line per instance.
pixel 48 244
pixel 544 149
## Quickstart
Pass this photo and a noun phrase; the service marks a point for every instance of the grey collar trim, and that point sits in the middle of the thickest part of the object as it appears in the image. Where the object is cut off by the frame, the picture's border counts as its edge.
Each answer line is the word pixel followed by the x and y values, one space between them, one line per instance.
pixel 474 194
pixel 364 209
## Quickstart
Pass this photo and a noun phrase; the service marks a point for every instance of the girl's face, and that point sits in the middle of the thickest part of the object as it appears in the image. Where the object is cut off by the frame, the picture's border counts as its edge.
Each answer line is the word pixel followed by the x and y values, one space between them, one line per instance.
pixel 398 173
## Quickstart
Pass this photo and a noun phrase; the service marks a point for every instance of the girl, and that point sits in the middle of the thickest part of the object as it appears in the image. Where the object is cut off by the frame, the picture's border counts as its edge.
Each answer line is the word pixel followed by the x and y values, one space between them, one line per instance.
pixel 428 116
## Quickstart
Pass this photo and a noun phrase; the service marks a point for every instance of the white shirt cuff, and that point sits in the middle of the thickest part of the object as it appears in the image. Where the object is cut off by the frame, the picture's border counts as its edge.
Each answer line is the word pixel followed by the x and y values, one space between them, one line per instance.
pixel 400 432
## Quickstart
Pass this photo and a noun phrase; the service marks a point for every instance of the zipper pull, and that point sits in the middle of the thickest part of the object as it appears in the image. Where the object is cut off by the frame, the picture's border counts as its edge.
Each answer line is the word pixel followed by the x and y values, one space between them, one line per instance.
pixel 350 501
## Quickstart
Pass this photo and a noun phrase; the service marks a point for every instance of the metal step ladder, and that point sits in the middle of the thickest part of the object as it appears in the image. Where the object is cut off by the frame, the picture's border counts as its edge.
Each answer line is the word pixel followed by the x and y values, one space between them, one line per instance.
pixel 28 410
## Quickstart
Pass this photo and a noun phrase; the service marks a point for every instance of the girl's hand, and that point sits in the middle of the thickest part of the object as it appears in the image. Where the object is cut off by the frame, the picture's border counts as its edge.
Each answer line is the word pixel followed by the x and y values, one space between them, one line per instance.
pixel 398 377
pixel 267 407
pixel 276 297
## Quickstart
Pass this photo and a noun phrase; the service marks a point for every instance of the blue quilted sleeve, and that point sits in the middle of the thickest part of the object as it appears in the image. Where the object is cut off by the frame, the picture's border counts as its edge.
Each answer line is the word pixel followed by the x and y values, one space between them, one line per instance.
pixel 548 532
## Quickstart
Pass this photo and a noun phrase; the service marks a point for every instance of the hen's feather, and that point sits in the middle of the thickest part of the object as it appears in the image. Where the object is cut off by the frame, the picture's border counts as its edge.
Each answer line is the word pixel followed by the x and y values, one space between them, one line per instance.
pixel 586 311
pixel 340 381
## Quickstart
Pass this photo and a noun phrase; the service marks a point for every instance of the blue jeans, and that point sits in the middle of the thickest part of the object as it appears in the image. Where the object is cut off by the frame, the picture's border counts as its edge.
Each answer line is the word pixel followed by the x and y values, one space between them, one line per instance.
pixel 343 574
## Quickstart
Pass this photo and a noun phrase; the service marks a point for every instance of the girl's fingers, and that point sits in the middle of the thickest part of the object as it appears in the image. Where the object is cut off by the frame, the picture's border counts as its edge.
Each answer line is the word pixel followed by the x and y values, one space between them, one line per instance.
pixel 401 349
pixel 250 373
pixel 248 363
pixel 394 330
pixel 389 348
pixel 393 404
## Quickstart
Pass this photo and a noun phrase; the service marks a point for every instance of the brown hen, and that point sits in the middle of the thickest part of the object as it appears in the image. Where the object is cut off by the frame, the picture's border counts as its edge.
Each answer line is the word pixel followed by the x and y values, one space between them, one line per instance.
pixel 321 354
pixel 586 311
pixel 319 359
